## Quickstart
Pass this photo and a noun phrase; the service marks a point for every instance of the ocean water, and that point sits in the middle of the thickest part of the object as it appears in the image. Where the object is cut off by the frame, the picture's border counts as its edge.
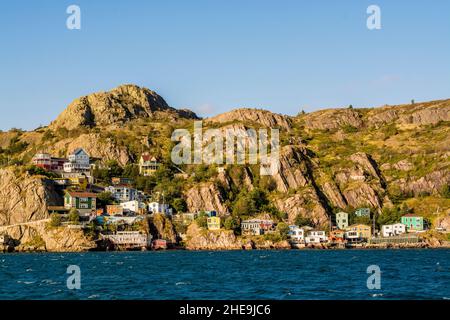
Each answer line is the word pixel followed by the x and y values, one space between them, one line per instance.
pixel 294 274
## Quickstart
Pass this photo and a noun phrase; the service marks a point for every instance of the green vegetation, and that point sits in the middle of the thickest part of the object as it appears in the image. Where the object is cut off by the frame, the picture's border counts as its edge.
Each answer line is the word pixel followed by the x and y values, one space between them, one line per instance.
pixel 55 220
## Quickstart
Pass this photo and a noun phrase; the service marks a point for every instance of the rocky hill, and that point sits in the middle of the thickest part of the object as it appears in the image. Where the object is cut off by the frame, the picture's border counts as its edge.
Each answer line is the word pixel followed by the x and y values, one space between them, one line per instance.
pixel 335 159
pixel 118 106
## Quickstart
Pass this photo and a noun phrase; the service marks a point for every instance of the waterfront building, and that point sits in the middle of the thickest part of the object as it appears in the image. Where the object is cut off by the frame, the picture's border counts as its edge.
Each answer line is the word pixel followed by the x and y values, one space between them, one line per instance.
pixel 213 223
pixel 148 164
pixel 84 202
pixel 256 226
pixel 337 235
pixel 296 233
pixel 316 236
pixel 390 230
pixel 129 239
pixel 413 222
pixel 342 220
pixel 362 230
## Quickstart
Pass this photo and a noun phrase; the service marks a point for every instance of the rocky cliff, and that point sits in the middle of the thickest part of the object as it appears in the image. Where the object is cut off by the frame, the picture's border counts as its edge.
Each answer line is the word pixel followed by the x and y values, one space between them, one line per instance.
pixel 24 198
pixel 122 104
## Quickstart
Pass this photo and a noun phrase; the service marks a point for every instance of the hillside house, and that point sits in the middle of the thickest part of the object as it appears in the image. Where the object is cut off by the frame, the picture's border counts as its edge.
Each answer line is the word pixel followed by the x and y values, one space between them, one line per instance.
pixel 114 209
pixel 342 220
pixel 148 164
pixel 46 161
pixel 156 207
pixel 256 226
pixel 119 181
pixel 84 202
pixel 413 222
pixel 185 218
pixel 78 162
pixel 362 212
pixel 213 223
pixel 122 193
pixel 134 207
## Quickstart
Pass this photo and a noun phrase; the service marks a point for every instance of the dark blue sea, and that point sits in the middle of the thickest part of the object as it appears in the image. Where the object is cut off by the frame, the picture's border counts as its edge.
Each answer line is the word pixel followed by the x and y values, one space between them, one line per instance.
pixel 294 274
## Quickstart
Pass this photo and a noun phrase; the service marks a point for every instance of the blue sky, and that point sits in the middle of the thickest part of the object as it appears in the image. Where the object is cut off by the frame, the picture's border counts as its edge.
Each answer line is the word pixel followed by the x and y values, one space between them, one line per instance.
pixel 212 56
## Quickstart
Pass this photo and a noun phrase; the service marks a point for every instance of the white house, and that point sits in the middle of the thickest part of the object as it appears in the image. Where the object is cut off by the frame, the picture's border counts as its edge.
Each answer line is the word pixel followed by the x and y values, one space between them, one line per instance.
pixel 78 162
pixel 316 236
pixel 156 207
pixel 296 233
pixel 390 230
pixel 134 207
pixel 123 193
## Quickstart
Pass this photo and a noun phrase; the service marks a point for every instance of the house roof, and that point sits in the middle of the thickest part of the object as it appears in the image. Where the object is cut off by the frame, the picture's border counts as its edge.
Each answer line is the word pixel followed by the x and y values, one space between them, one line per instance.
pixel 78 151
pixel 147 157
pixel 82 194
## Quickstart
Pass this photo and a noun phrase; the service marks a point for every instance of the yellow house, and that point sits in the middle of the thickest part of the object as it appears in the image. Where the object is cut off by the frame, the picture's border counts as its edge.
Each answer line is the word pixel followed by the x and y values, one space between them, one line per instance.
pixel 364 231
pixel 213 223
pixel 148 164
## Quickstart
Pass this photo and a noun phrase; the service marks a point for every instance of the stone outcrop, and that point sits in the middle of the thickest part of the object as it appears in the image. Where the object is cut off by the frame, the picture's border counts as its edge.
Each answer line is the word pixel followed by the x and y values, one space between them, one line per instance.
pixel 306 204
pixel 41 237
pixel 264 118
pixel 419 114
pixel 200 239
pixel 431 183
pixel 122 104
pixel 24 198
pixel 333 119
pixel 205 197
pixel 162 228
pixel 95 145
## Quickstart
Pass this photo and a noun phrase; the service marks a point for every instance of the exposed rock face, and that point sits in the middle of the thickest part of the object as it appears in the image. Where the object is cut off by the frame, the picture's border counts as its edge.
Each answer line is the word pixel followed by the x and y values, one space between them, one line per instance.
pixel 305 204
pixel 430 183
pixel 420 114
pixel 41 237
pixel 198 239
pixel 334 195
pixel 362 194
pixel 119 105
pixel 293 171
pixel 263 117
pixel 333 119
pixel 95 146
pixel 24 198
pixel 207 197
pixel 163 228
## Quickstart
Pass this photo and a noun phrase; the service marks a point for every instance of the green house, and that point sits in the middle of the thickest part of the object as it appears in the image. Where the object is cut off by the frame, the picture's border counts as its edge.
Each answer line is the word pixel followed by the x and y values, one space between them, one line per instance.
pixel 362 212
pixel 413 222
pixel 84 202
